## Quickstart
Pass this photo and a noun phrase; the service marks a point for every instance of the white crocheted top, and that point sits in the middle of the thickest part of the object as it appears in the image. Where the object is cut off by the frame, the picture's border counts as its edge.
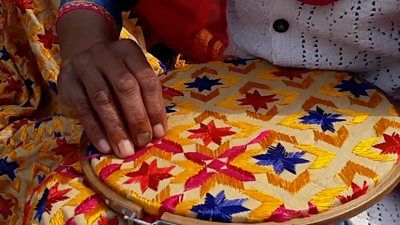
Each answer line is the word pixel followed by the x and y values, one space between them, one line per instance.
pixel 361 36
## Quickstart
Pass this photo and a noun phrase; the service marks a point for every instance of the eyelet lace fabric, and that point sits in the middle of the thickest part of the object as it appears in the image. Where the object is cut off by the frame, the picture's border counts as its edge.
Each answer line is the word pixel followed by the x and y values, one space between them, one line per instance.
pixel 386 212
pixel 357 36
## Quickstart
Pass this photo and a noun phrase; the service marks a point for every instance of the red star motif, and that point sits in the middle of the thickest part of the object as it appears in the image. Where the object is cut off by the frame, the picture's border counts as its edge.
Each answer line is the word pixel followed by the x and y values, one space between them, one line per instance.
pixel 68 171
pixel 104 221
pixel 391 145
pixel 22 49
pixel 283 214
pixel 257 101
pixel 169 204
pixel 214 165
pixel 22 5
pixel 357 192
pixel 48 39
pixel 171 92
pixel 87 205
pixel 149 176
pixel 219 162
pixel 162 144
pixel 63 148
pixel 290 73
pixel 56 195
pixel 5 207
pixel 209 133
pixel 13 85
pixel 18 124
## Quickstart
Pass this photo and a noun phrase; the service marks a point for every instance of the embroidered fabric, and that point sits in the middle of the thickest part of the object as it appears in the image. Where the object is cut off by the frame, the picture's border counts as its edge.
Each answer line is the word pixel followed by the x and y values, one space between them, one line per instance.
pixel 270 144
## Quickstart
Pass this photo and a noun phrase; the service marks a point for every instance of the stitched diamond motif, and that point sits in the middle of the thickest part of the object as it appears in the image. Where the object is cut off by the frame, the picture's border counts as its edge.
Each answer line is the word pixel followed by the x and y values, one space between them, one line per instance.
pixel 250 142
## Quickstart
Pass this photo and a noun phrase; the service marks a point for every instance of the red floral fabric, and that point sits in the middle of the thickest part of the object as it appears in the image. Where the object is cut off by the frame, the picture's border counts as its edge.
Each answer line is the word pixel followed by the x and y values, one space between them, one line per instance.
pixel 196 29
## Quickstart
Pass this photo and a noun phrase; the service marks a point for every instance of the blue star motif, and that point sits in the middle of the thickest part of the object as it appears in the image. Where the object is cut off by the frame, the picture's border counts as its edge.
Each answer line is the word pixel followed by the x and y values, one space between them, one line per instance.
pixel 319 117
pixel 39 123
pixel 8 168
pixel 4 54
pixel 53 86
pixel 92 152
pixel 219 208
pixel 170 108
pixel 236 61
pixel 355 88
pixel 41 205
pixel 163 67
pixel 280 159
pixel 41 178
pixel 28 83
pixel 203 83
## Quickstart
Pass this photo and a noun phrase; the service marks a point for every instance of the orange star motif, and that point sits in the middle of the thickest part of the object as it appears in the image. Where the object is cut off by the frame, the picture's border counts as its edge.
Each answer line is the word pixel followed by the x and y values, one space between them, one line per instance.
pixel 149 176
pixel 290 73
pixel 210 133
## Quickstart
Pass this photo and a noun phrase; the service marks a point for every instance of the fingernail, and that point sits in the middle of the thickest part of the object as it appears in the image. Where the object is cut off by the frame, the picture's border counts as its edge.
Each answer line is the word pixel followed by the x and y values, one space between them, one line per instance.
pixel 158 131
pixel 125 148
pixel 115 148
pixel 103 145
pixel 143 139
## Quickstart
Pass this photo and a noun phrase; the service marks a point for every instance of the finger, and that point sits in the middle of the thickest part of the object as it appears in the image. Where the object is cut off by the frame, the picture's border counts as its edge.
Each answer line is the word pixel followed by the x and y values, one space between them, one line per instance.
pixel 127 92
pixel 101 99
pixel 77 99
pixel 151 89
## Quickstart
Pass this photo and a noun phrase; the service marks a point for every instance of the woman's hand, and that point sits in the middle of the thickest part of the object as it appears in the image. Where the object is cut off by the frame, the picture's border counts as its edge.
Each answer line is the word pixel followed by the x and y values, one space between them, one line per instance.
pixel 115 94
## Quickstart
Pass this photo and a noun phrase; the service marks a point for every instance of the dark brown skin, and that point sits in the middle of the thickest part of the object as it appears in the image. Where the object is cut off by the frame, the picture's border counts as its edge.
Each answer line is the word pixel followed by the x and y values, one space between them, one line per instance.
pixel 109 85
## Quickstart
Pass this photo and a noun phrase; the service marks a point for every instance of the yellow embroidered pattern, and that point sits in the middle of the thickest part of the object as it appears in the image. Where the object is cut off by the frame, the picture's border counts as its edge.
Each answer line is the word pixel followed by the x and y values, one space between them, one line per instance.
pixel 265 140
pixel 230 126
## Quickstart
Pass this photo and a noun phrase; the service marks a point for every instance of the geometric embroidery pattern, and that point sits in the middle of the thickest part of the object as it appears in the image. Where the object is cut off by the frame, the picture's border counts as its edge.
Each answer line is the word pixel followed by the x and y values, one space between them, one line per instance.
pixel 253 142
pixel 41 178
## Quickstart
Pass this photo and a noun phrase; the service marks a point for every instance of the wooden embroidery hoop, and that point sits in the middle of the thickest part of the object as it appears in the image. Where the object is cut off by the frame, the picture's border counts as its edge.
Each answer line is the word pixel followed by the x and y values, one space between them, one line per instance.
pixel 340 213
pixel 123 206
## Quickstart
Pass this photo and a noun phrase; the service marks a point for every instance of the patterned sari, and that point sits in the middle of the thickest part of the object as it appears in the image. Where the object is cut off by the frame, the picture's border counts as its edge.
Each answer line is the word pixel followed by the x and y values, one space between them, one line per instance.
pixel 38 142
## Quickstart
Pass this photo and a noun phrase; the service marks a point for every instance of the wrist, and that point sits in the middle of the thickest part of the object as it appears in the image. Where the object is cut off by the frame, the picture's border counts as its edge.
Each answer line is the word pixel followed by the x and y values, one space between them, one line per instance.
pixel 79 30
pixel 108 9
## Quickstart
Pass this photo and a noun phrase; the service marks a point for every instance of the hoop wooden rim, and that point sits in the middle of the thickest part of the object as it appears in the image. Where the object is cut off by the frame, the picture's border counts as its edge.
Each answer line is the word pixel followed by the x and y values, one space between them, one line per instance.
pixel 329 217
pixel 332 216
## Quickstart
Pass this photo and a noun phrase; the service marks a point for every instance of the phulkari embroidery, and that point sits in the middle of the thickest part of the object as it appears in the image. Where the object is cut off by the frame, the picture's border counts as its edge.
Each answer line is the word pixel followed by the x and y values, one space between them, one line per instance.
pixel 250 142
